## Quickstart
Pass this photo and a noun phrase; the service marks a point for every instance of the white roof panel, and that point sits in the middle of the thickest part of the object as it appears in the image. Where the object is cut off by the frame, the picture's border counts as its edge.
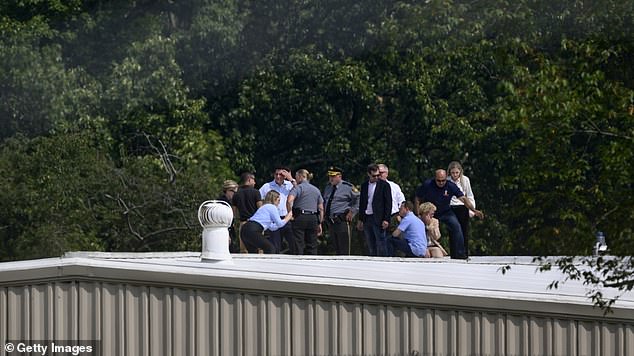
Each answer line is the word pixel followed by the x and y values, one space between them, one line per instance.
pixel 476 283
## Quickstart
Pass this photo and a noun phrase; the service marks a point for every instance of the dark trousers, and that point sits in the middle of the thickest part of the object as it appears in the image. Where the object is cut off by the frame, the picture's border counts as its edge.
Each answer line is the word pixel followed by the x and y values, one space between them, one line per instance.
pixel 394 222
pixel 462 213
pixel 375 237
pixel 234 242
pixel 339 233
pixel 285 232
pixel 253 238
pixel 456 242
pixel 305 231
pixel 394 243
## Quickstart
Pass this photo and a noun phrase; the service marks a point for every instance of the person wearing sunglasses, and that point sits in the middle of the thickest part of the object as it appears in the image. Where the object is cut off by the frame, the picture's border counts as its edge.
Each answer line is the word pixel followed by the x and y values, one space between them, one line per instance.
pixel 375 208
pixel 439 192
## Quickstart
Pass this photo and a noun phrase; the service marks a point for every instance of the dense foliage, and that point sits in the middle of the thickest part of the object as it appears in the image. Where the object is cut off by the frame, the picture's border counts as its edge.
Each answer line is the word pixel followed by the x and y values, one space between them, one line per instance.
pixel 118 117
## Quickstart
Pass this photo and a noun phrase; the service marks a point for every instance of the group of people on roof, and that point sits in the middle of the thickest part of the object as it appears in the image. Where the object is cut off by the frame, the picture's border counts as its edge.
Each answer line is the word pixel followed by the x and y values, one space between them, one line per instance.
pixel 287 214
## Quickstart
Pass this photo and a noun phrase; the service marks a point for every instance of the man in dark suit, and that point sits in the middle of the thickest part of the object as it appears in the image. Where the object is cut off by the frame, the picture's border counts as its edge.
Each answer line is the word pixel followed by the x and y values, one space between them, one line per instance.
pixel 375 206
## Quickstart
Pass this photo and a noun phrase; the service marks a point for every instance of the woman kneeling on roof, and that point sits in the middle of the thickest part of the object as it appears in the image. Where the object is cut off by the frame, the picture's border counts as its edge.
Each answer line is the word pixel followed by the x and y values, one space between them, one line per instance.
pixel 265 218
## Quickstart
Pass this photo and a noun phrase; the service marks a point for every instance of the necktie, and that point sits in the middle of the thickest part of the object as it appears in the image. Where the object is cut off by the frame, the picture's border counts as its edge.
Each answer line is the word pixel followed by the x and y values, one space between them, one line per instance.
pixel 332 194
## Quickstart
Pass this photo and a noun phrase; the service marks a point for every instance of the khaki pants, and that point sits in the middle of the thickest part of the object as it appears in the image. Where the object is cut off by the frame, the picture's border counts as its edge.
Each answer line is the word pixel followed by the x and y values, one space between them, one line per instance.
pixel 243 249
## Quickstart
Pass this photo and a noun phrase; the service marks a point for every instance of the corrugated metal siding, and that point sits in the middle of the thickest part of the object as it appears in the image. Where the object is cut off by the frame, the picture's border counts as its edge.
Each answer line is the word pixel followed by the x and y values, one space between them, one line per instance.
pixel 141 320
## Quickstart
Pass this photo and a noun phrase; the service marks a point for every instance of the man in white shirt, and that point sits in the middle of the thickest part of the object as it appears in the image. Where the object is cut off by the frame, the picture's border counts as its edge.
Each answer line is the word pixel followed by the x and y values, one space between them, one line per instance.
pixel 397 197
pixel 375 205
pixel 282 183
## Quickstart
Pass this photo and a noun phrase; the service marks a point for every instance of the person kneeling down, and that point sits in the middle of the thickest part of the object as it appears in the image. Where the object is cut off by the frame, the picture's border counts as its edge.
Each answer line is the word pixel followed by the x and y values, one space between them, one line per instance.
pixel 412 230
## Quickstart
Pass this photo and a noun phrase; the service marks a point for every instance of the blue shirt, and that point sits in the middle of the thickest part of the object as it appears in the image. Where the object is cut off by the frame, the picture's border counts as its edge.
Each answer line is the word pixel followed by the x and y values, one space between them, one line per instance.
pixel 283 189
pixel 413 230
pixel 268 216
pixel 440 197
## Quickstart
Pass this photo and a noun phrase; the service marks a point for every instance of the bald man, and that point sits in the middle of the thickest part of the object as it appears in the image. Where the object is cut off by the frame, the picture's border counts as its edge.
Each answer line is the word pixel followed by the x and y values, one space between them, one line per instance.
pixel 439 191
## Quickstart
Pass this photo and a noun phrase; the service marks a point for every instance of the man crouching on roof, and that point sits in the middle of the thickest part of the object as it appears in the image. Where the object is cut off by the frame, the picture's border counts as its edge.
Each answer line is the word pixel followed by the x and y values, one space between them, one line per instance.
pixel 413 241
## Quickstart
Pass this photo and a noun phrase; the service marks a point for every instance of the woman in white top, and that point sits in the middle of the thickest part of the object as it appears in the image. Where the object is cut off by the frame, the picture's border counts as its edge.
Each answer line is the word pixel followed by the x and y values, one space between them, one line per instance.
pixel 461 211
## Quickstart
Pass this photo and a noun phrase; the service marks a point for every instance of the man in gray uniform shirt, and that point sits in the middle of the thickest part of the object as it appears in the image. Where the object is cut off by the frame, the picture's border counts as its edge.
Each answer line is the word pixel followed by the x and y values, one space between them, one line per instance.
pixel 341 200
pixel 307 205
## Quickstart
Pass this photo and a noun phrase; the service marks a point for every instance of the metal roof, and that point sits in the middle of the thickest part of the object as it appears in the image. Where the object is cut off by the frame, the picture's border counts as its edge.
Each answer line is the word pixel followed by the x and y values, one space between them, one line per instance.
pixel 474 284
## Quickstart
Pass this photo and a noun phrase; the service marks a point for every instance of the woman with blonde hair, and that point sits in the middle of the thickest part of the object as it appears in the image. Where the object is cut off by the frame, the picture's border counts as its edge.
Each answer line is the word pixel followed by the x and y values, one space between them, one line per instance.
pixel 426 213
pixel 307 205
pixel 462 212
pixel 265 218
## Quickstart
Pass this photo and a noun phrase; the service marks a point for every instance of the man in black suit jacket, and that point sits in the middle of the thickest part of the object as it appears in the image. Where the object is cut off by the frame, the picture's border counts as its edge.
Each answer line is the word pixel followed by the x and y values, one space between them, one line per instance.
pixel 374 218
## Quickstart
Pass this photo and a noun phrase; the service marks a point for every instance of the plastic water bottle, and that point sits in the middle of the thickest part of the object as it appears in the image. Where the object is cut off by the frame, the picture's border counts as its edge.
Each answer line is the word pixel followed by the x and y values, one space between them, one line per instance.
pixel 600 247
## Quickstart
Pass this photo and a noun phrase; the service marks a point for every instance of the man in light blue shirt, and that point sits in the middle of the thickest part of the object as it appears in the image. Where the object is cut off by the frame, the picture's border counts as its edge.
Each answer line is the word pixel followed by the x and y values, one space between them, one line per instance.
pixel 282 183
pixel 412 229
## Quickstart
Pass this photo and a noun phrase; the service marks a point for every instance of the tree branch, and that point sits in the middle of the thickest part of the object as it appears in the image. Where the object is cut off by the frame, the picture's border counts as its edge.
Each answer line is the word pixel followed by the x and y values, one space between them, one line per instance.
pixel 167 229
pixel 605 133
pixel 608 213
pixel 164 156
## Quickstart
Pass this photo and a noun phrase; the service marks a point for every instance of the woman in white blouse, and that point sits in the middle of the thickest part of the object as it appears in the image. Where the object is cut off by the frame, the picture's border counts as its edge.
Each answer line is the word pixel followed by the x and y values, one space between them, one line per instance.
pixel 461 211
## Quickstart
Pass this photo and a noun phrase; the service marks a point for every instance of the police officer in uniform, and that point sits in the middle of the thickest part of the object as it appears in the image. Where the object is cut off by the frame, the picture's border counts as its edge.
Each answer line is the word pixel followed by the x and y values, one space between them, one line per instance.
pixel 341 200
pixel 307 205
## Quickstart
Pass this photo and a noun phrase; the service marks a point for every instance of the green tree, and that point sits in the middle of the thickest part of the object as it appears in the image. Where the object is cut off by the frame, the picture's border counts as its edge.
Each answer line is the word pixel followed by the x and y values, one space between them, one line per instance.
pixel 50 194
pixel 534 97
pixel 309 113
pixel 37 92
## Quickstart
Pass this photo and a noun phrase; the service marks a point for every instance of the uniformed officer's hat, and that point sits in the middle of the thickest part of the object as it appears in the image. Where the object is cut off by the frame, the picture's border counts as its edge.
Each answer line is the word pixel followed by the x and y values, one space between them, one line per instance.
pixel 334 171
